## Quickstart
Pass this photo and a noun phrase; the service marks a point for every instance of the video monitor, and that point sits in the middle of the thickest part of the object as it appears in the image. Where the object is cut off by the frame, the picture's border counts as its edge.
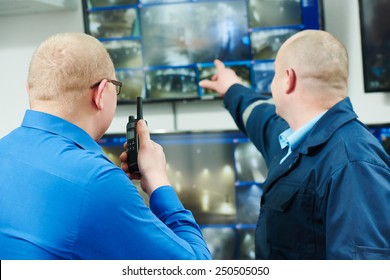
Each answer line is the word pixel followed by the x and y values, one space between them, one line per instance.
pixel 382 133
pixel 246 239
pixel 133 84
pixel 266 43
pixel 375 36
pixel 265 13
pixel 195 32
pixel 125 54
pixel 202 170
pixel 220 241
pixel 171 83
pixel 250 165
pixel 174 42
pixel 116 23
pixel 248 203
pixel 213 174
pixel 262 77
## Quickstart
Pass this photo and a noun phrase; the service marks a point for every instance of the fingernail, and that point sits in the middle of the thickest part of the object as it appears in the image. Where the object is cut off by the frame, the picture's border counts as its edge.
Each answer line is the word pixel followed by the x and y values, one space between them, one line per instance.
pixel 142 122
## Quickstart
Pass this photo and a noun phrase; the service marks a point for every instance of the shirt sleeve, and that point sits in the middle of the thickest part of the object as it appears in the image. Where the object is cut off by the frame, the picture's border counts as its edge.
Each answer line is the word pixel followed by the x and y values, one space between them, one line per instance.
pixel 357 221
pixel 115 223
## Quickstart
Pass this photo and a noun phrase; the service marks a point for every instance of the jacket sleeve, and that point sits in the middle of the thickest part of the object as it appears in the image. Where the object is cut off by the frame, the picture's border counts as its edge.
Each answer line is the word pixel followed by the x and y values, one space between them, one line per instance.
pixel 256 117
pixel 360 228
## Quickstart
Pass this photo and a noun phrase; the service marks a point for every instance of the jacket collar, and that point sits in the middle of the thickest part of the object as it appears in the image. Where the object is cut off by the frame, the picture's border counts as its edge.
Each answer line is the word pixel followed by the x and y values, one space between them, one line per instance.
pixel 335 117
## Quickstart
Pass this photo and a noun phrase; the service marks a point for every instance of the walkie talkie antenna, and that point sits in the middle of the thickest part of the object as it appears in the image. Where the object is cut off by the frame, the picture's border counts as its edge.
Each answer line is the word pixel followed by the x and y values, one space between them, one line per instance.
pixel 140 113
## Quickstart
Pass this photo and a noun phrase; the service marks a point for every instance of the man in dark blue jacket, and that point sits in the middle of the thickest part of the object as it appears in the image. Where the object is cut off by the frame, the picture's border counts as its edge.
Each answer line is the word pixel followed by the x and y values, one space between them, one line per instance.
pixel 327 195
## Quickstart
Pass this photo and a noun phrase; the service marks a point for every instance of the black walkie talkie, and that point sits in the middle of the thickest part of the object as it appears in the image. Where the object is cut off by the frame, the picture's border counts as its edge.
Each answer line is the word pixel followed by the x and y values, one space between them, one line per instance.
pixel 132 138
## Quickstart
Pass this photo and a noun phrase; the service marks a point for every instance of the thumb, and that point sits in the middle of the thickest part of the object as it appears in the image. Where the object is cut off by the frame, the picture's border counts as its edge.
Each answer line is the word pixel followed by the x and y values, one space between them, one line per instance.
pixel 143 132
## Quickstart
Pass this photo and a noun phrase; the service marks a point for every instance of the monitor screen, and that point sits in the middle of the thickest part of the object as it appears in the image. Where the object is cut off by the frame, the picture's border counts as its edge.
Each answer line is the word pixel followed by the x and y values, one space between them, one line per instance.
pixel 218 175
pixel 194 32
pixel 382 133
pixel 375 36
pixel 161 49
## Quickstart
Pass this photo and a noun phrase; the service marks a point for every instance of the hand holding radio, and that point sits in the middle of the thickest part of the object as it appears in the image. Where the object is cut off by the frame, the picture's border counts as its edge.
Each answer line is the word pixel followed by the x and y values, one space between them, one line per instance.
pixel 144 160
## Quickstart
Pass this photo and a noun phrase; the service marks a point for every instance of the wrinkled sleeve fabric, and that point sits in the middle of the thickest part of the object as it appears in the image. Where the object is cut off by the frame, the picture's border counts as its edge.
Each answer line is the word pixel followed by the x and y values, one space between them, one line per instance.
pixel 360 228
pixel 255 117
pixel 115 223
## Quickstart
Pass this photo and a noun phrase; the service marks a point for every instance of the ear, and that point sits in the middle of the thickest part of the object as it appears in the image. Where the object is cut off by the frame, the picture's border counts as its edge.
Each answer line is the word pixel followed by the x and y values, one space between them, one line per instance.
pixel 97 95
pixel 28 89
pixel 291 80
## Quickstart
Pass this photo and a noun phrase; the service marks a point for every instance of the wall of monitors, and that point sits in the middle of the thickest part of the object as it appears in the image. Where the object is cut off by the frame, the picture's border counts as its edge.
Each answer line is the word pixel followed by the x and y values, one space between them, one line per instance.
pixel 162 48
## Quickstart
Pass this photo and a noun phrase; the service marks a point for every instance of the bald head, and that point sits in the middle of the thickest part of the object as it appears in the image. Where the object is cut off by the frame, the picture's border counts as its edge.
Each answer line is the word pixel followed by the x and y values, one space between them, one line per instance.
pixel 311 76
pixel 64 67
pixel 316 54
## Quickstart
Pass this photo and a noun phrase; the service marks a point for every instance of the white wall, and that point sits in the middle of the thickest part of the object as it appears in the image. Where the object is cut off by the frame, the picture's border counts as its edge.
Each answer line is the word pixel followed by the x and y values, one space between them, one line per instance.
pixel 342 20
pixel 20 35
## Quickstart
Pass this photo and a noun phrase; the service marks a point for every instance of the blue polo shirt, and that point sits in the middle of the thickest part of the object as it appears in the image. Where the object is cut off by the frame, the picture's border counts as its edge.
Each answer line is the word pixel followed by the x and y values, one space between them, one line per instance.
pixel 62 198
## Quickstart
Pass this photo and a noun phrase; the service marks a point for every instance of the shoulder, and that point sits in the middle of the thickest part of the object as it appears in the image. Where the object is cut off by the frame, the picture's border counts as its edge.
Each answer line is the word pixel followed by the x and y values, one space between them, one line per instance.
pixel 354 145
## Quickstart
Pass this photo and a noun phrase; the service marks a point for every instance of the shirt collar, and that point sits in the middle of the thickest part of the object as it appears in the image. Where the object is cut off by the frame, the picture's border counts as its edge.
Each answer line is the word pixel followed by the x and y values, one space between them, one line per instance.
pixel 294 138
pixel 59 126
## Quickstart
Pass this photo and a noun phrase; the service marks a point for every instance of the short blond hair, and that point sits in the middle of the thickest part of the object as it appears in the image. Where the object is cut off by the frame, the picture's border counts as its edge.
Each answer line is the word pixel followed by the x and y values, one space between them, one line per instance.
pixel 64 67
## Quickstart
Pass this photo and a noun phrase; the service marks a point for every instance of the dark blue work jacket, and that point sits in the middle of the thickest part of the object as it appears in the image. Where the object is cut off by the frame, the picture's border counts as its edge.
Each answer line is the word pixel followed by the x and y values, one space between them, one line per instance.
pixel 330 198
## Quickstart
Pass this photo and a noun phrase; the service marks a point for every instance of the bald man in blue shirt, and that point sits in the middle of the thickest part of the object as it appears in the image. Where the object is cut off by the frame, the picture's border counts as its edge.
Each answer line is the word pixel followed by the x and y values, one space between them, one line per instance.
pixel 60 196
